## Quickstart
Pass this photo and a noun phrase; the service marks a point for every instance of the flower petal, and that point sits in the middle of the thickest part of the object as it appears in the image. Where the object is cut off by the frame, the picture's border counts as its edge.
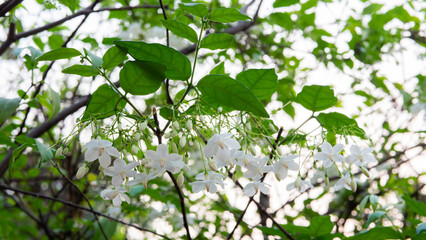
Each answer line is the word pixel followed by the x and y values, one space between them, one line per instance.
pixel 117 201
pixel 112 151
pixel 91 154
pixel 105 160
pixel 337 148
pixel 326 147
pixel 321 156
pixel 117 180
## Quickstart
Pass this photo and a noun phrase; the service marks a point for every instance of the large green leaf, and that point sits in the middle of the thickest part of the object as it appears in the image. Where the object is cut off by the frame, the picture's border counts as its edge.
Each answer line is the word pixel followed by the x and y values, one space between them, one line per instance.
pixel 262 82
pixel 180 29
pixel 45 153
pixel 219 69
pixel 196 9
pixel 321 225
pixel 178 65
pixel 8 108
pixel 377 233
pixel 421 228
pixel 340 124
pixel 218 41
pixel 227 15
pixel 103 103
pixel 113 57
pixel 316 97
pixel 226 91
pixel 60 53
pixel 82 70
pixel 141 78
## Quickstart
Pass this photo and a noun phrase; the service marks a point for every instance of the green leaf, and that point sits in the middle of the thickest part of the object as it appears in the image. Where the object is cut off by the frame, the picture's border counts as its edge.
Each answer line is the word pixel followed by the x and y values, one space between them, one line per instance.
pixel 55 41
pixel 262 82
pixel 103 103
pixel 113 57
pixel 178 65
pixel 377 233
pixel 415 206
pixel 340 124
pixel 421 228
pixel 218 41
pixel 374 216
pixel 110 227
pixel 56 102
pixel 196 9
pixel 180 30
pixel 219 69
pixel 141 78
pixel 224 90
pixel 321 225
pixel 82 70
pixel 284 3
pixel 363 203
pixel 22 139
pixel 227 15
pixel 166 113
pixel 96 61
pixel 46 153
pixel 374 200
pixel 60 53
pixel 8 108
pixel 316 97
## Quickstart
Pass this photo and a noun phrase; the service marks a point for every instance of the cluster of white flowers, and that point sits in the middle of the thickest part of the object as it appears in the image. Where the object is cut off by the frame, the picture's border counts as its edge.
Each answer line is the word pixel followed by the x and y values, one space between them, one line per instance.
pixel 223 151
pixel 157 161
pixel 330 156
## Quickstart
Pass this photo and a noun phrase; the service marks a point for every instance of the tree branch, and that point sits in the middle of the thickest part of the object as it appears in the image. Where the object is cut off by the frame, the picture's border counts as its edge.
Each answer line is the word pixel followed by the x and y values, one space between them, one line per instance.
pixel 70 204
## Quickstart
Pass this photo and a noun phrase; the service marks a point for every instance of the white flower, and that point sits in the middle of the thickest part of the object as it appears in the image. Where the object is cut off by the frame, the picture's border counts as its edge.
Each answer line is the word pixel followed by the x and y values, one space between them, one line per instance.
pixel 252 188
pixel 282 166
pixel 226 157
pixel 256 168
pixel 120 171
pixel 142 178
pixel 360 157
pixel 207 181
pixel 244 159
pixel 102 150
pixel 330 154
pixel 300 185
pixel 349 182
pixel 163 161
pixel 117 195
pixel 220 141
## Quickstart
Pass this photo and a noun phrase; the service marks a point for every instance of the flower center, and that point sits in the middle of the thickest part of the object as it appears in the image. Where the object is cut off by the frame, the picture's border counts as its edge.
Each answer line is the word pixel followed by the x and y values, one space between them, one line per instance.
pixel 162 160
pixel 221 144
pixel 123 175
pixel 115 194
pixel 360 158
pixel 101 151
pixel 285 164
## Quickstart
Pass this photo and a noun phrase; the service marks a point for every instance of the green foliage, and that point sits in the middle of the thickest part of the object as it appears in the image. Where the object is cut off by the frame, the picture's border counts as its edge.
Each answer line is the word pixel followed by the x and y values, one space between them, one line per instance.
pixel 262 82
pixel 222 90
pixel 340 124
pixel 180 29
pixel 113 57
pixel 227 15
pixel 8 108
pixel 82 70
pixel 141 78
pixel 316 98
pixel 105 101
pixel 60 53
pixel 178 65
pixel 196 9
pixel 218 41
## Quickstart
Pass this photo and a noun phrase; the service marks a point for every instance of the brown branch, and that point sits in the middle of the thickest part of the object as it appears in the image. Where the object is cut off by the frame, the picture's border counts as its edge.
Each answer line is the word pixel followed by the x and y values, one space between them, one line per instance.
pixel 87 11
pixel 38 195
pixel 8 6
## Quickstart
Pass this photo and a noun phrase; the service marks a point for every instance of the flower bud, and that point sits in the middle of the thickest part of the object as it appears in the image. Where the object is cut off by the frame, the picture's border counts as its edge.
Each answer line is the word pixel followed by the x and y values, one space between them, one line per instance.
pixel 143 125
pixel 252 150
pixel 137 136
pixel 279 151
pixel 327 180
pixel 175 125
pixel 167 135
pixel 98 138
pixel 119 127
pixel 124 151
pixel 243 133
pixel 271 127
pixel 189 125
pixel 220 109
pixel 353 184
pixel 58 152
pixel 180 180
pixel 66 150
pixel 174 148
pixel 81 172
pixel 212 165
pixel 201 119
pixel 174 134
pixel 365 171
pixel 135 149
pixel 190 143
pixel 182 142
